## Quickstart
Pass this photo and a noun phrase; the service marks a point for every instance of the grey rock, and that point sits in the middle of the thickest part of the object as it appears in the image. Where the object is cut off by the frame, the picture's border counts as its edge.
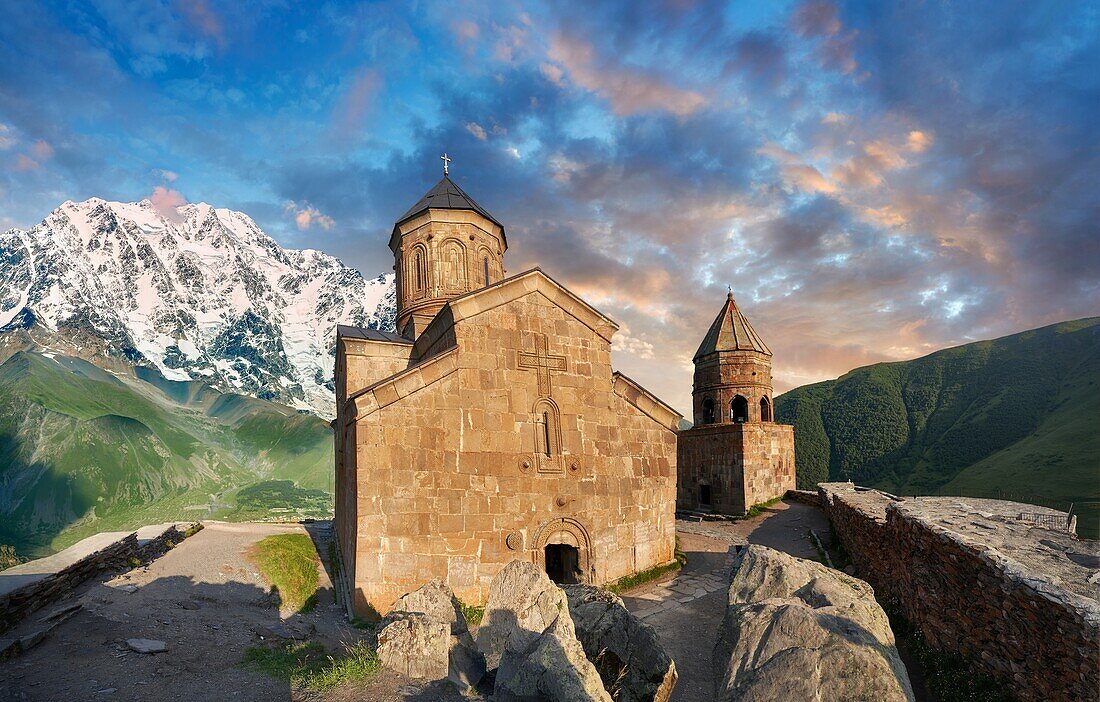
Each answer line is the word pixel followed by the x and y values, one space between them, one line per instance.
pixel 795 629
pixel 523 602
pixel 553 668
pixel 528 636
pixel 147 645
pixel 627 653
pixel 415 644
pixel 466 664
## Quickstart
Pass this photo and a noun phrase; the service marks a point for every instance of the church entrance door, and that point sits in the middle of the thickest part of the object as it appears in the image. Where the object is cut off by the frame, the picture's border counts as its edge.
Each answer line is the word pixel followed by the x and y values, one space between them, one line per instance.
pixel 563 563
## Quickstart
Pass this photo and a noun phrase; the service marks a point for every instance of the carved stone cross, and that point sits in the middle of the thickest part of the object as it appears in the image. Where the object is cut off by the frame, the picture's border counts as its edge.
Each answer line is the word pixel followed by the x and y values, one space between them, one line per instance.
pixel 543 362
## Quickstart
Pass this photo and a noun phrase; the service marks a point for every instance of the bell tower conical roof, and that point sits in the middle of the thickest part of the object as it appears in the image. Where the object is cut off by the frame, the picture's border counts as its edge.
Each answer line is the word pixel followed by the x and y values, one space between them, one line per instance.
pixel 731 331
pixel 446 195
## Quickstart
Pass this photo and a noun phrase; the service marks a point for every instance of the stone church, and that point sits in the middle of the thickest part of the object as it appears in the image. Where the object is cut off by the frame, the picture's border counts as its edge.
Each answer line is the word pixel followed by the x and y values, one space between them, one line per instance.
pixel 735 455
pixel 491 426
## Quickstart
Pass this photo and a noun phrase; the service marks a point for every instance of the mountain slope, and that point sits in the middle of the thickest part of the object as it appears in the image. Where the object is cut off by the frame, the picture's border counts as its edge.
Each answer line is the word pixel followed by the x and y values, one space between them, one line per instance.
pixel 196 292
pixel 84 450
pixel 1014 417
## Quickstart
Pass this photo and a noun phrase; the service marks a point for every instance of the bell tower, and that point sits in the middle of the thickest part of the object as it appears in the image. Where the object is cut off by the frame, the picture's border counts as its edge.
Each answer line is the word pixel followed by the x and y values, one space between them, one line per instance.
pixel 444 246
pixel 733 372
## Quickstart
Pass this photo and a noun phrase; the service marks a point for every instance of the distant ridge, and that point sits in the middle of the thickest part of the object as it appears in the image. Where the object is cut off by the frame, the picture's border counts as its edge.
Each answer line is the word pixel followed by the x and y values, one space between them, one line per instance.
pixel 1015 418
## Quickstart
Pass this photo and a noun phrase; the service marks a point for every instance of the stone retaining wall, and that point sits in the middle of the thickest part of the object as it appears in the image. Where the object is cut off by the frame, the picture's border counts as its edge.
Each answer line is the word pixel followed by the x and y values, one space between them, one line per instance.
pixel 806 497
pixel 1013 599
pixel 17 604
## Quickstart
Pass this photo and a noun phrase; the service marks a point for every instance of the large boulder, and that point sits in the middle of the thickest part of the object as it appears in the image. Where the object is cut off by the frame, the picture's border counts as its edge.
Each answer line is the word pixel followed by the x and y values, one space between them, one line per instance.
pixel 528 636
pixel 795 629
pixel 553 668
pixel 466 665
pixel 415 644
pixel 626 652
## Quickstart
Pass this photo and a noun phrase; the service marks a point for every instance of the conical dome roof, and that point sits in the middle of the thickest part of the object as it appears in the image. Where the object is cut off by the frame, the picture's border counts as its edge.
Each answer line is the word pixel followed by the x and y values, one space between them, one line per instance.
pixel 731 331
pixel 446 195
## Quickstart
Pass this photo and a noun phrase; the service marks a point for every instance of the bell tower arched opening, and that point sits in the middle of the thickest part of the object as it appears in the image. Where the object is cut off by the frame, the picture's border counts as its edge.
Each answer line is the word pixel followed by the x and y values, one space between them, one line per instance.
pixel 739 410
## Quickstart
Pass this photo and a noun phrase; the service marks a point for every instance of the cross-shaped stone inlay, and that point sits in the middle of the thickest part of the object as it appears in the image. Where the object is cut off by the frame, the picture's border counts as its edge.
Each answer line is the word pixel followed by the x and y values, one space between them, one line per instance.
pixel 543 362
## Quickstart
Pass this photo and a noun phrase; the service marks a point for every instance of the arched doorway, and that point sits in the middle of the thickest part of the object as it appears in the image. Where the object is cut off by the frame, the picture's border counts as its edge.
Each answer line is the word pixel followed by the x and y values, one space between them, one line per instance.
pixel 563 549
pixel 739 410
pixel 563 563
pixel 765 410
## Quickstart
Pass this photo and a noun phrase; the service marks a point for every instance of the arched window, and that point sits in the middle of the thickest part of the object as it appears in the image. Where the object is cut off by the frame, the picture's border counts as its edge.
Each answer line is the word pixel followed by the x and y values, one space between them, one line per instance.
pixel 708 411
pixel 765 410
pixel 485 263
pixel 547 436
pixel 454 266
pixel 739 409
pixel 419 271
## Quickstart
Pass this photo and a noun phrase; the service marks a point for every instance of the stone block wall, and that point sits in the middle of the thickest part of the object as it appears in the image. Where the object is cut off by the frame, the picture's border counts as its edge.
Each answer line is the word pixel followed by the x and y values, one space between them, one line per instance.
pixel 1013 599
pixel 743 464
pixel 447 474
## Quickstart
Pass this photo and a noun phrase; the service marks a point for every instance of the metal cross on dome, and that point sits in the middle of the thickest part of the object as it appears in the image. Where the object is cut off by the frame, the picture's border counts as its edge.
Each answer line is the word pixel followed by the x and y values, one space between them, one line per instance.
pixel 446 162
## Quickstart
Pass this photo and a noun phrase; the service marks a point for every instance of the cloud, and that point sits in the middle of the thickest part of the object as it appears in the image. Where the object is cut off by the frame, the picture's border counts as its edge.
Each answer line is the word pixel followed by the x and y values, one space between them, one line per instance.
pixel 169 176
pixel 807 178
pixel 466 33
pixel 42 150
pixel 165 201
pixel 6 141
pixel 816 18
pixel 625 342
pixel 305 216
pixel 552 73
pixel 476 130
pixel 202 17
pixel 918 141
pixel 25 163
pixel 630 90
pixel 358 100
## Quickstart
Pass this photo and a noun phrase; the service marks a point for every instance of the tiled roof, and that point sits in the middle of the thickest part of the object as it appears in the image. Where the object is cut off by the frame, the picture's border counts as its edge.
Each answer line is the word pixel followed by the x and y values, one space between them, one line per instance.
pixel 731 331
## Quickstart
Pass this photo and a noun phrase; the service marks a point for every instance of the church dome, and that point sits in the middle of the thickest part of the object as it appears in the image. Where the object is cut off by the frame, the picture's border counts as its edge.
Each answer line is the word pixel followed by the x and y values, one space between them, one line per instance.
pixel 446 195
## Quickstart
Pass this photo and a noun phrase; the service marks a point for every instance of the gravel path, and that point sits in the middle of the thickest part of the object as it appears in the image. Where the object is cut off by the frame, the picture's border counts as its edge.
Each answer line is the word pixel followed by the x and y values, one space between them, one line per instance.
pixel 687 609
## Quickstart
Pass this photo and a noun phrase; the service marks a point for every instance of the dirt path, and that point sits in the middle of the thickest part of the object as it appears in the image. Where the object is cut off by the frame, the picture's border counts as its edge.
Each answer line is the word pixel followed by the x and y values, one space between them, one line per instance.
pixel 687 609
pixel 203 598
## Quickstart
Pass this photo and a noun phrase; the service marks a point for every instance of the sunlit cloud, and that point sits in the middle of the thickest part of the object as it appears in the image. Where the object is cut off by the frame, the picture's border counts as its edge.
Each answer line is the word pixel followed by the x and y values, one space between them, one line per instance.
pixel 306 216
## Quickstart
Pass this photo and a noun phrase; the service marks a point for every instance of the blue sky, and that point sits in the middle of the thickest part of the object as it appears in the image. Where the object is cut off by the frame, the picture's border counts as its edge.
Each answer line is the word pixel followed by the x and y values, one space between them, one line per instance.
pixel 875 180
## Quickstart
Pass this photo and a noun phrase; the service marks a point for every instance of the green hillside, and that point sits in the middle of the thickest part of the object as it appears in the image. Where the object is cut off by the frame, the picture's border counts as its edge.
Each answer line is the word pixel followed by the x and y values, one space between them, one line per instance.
pixel 1014 418
pixel 83 450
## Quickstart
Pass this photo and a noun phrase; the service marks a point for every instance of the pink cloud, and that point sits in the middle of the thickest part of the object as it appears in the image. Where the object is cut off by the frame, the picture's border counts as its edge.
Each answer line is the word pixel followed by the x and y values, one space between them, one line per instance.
pixel 807 178
pixel 476 130
pixel 25 163
pixel 165 201
pixel 630 90
pixel 358 100
pixel 42 150
pixel 200 16
pixel 305 216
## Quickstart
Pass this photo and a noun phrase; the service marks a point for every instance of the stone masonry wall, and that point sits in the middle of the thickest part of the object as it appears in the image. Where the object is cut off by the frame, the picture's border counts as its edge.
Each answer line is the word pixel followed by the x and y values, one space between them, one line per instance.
pixel 17 604
pixel 1009 597
pixel 453 482
pixel 744 465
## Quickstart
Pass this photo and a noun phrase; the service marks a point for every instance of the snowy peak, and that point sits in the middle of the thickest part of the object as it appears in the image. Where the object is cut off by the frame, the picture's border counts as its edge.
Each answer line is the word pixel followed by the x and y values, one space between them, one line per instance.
pixel 199 292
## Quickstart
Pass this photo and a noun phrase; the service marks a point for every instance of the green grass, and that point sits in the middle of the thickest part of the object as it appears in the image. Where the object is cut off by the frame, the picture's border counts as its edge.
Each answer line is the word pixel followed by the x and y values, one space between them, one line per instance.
pixel 308 666
pixel 1012 418
pixel 630 582
pixel 290 563
pixel 472 613
pixel 761 507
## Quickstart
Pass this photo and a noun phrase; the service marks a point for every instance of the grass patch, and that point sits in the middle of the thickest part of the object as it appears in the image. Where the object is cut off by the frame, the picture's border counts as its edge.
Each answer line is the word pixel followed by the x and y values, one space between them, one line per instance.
pixel 473 614
pixel 760 507
pixel 290 563
pixel 307 665
pixel 948 676
pixel 650 574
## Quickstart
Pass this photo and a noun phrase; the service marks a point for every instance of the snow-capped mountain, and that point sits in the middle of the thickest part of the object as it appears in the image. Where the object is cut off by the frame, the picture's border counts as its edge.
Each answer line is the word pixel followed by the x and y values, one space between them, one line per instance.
pixel 201 293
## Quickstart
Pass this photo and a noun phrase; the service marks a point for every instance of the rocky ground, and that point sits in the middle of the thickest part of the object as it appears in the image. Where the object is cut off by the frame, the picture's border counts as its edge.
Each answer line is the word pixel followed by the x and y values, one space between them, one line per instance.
pixel 208 604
